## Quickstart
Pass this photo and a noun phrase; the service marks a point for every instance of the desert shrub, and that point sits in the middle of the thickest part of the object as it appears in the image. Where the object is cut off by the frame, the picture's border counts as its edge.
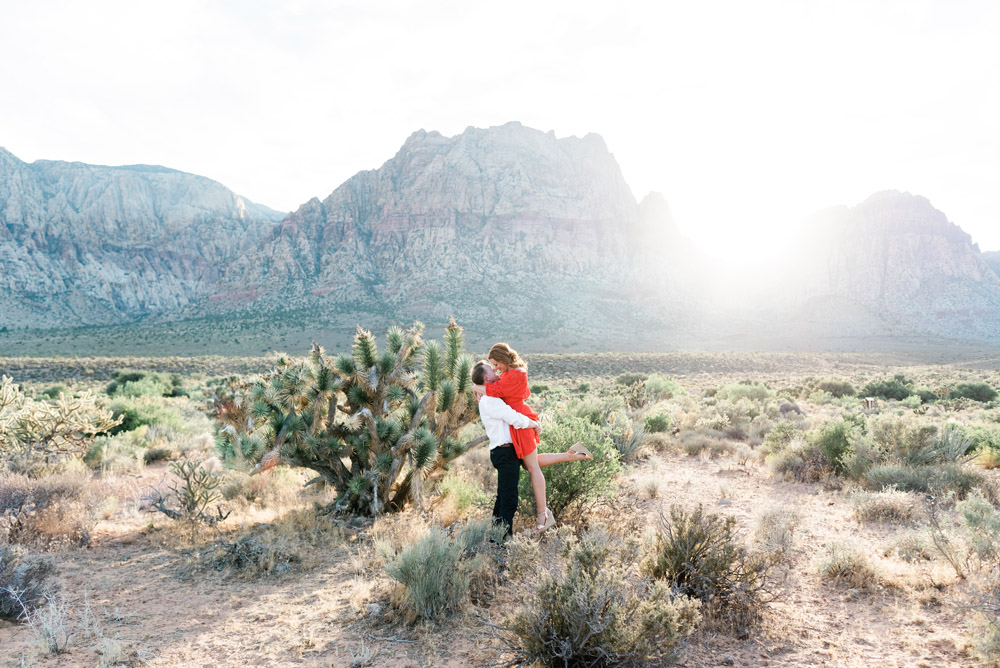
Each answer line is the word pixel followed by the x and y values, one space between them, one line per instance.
pixel 834 439
pixel 191 497
pixel 700 555
pixel 983 437
pixel 137 412
pixel 948 477
pixel 836 387
pixel 746 390
pixel 593 610
pixel 23 585
pixel 435 569
pixel 463 492
pixel 712 442
pixel 44 512
pixel 572 486
pixel 780 437
pixel 663 387
pixel 132 383
pixel 595 408
pixel 888 505
pixel 629 379
pixel 800 460
pixel 539 388
pixel 898 387
pixel 845 565
pixel 910 547
pixel 981 392
pixel 55 391
pixel 775 532
pixel 254 554
pixel 658 423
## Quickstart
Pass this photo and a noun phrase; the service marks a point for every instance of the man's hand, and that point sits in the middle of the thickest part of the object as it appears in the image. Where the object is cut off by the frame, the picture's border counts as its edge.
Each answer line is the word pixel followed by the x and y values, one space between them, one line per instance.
pixel 538 430
pixel 479 391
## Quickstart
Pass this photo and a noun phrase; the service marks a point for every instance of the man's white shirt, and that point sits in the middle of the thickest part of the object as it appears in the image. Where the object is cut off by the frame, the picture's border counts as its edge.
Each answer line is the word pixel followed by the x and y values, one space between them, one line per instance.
pixel 498 417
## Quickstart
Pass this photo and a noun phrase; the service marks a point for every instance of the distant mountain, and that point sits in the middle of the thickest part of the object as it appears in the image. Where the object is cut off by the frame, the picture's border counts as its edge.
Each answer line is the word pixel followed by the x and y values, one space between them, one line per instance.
pixel 507 228
pixel 992 258
pixel 89 244
pixel 893 265
pixel 518 234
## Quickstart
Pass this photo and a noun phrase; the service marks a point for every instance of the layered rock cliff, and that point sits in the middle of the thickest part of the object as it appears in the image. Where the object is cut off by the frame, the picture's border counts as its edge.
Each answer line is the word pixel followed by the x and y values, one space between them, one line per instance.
pixel 499 224
pixel 898 261
pixel 87 244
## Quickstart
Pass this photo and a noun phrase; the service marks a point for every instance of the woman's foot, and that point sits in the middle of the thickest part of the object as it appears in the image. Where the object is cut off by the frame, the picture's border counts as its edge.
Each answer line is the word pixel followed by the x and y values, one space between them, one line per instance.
pixel 546 521
pixel 581 451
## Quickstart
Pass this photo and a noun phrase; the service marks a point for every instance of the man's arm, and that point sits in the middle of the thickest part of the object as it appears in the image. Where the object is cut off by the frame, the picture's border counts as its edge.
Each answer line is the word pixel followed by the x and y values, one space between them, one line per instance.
pixel 498 410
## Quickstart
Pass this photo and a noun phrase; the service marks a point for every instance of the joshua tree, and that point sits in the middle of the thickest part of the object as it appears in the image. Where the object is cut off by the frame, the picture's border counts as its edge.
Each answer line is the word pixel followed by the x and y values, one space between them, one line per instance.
pixel 359 420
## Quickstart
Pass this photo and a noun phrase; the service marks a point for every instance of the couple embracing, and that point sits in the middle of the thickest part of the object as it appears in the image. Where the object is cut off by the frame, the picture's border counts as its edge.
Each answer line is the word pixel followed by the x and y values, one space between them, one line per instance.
pixel 501 386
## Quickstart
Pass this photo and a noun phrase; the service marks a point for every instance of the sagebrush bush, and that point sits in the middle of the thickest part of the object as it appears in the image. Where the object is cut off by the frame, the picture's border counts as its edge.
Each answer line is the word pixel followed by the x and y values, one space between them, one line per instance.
pixel 23 582
pixel 435 569
pixel 775 532
pixel 712 442
pixel 663 387
pixel 573 485
pixel 700 555
pixel 930 477
pixel 981 392
pixel 834 439
pixel 800 460
pixel 746 390
pixel 594 610
pixel 139 411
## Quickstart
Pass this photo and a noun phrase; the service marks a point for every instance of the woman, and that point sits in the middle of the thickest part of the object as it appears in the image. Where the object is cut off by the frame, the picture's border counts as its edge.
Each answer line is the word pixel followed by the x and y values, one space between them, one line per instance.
pixel 513 389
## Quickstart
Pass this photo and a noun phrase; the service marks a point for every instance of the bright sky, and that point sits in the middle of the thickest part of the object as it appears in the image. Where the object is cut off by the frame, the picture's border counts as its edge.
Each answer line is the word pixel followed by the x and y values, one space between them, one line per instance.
pixel 748 116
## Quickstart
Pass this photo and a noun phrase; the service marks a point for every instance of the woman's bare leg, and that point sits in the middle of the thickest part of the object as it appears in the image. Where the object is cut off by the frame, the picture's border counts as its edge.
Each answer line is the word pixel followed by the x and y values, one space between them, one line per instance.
pixel 530 463
pixel 550 458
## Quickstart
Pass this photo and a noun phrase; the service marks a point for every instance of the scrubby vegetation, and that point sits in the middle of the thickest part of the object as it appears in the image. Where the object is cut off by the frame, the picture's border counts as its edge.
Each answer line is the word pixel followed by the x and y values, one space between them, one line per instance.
pixel 686 524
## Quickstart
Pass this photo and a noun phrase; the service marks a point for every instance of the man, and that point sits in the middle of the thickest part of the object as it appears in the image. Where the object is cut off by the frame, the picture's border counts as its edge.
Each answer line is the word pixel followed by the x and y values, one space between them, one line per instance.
pixel 497 419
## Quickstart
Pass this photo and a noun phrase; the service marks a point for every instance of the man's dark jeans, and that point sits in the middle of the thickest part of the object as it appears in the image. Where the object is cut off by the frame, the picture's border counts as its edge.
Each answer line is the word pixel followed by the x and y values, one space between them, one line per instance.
pixel 508 467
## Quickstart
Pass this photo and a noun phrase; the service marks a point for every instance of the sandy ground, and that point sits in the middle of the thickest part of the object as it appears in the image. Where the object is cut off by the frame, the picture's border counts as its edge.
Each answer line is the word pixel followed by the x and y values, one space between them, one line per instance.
pixel 151 604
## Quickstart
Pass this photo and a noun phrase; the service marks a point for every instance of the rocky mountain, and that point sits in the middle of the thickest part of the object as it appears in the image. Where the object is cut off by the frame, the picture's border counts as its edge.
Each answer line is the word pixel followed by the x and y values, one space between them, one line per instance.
pixel 992 258
pixel 87 244
pixel 507 227
pixel 892 265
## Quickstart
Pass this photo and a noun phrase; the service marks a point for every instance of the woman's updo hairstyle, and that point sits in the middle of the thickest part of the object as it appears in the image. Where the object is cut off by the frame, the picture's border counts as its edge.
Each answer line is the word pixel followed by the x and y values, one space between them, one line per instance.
pixel 501 352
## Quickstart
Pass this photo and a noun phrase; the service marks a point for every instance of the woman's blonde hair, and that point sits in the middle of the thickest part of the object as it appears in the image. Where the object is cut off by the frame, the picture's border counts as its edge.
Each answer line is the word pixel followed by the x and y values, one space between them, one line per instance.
pixel 501 352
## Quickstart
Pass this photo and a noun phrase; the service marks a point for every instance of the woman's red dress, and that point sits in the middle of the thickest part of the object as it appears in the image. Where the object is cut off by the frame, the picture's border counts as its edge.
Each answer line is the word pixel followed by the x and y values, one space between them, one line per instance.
pixel 513 389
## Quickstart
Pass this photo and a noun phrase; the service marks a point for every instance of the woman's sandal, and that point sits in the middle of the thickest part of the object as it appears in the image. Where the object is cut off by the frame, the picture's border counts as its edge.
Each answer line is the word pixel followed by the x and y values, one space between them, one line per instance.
pixel 581 449
pixel 550 521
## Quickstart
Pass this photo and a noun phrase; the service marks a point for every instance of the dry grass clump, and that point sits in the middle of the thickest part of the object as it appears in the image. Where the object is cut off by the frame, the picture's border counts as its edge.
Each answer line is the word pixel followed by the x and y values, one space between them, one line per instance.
pixel 911 547
pixel 775 532
pixel 45 512
pixel 712 442
pixel 295 540
pixel 847 566
pixel 889 505
pixel 590 607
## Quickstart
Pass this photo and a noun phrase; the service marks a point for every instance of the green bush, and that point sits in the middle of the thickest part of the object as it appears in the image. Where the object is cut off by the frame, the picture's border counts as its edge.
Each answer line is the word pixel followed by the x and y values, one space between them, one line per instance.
pixel 699 554
pixel 898 387
pixel 664 387
pixel 801 460
pixel 594 611
pixel 136 412
pixel 629 379
pixel 657 423
pixel 625 436
pixel 976 391
pixel 55 391
pixel 834 439
pixel 572 485
pixel 948 477
pixel 780 437
pixel 836 387
pixel 131 383
pixel 436 568
pixel 746 390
